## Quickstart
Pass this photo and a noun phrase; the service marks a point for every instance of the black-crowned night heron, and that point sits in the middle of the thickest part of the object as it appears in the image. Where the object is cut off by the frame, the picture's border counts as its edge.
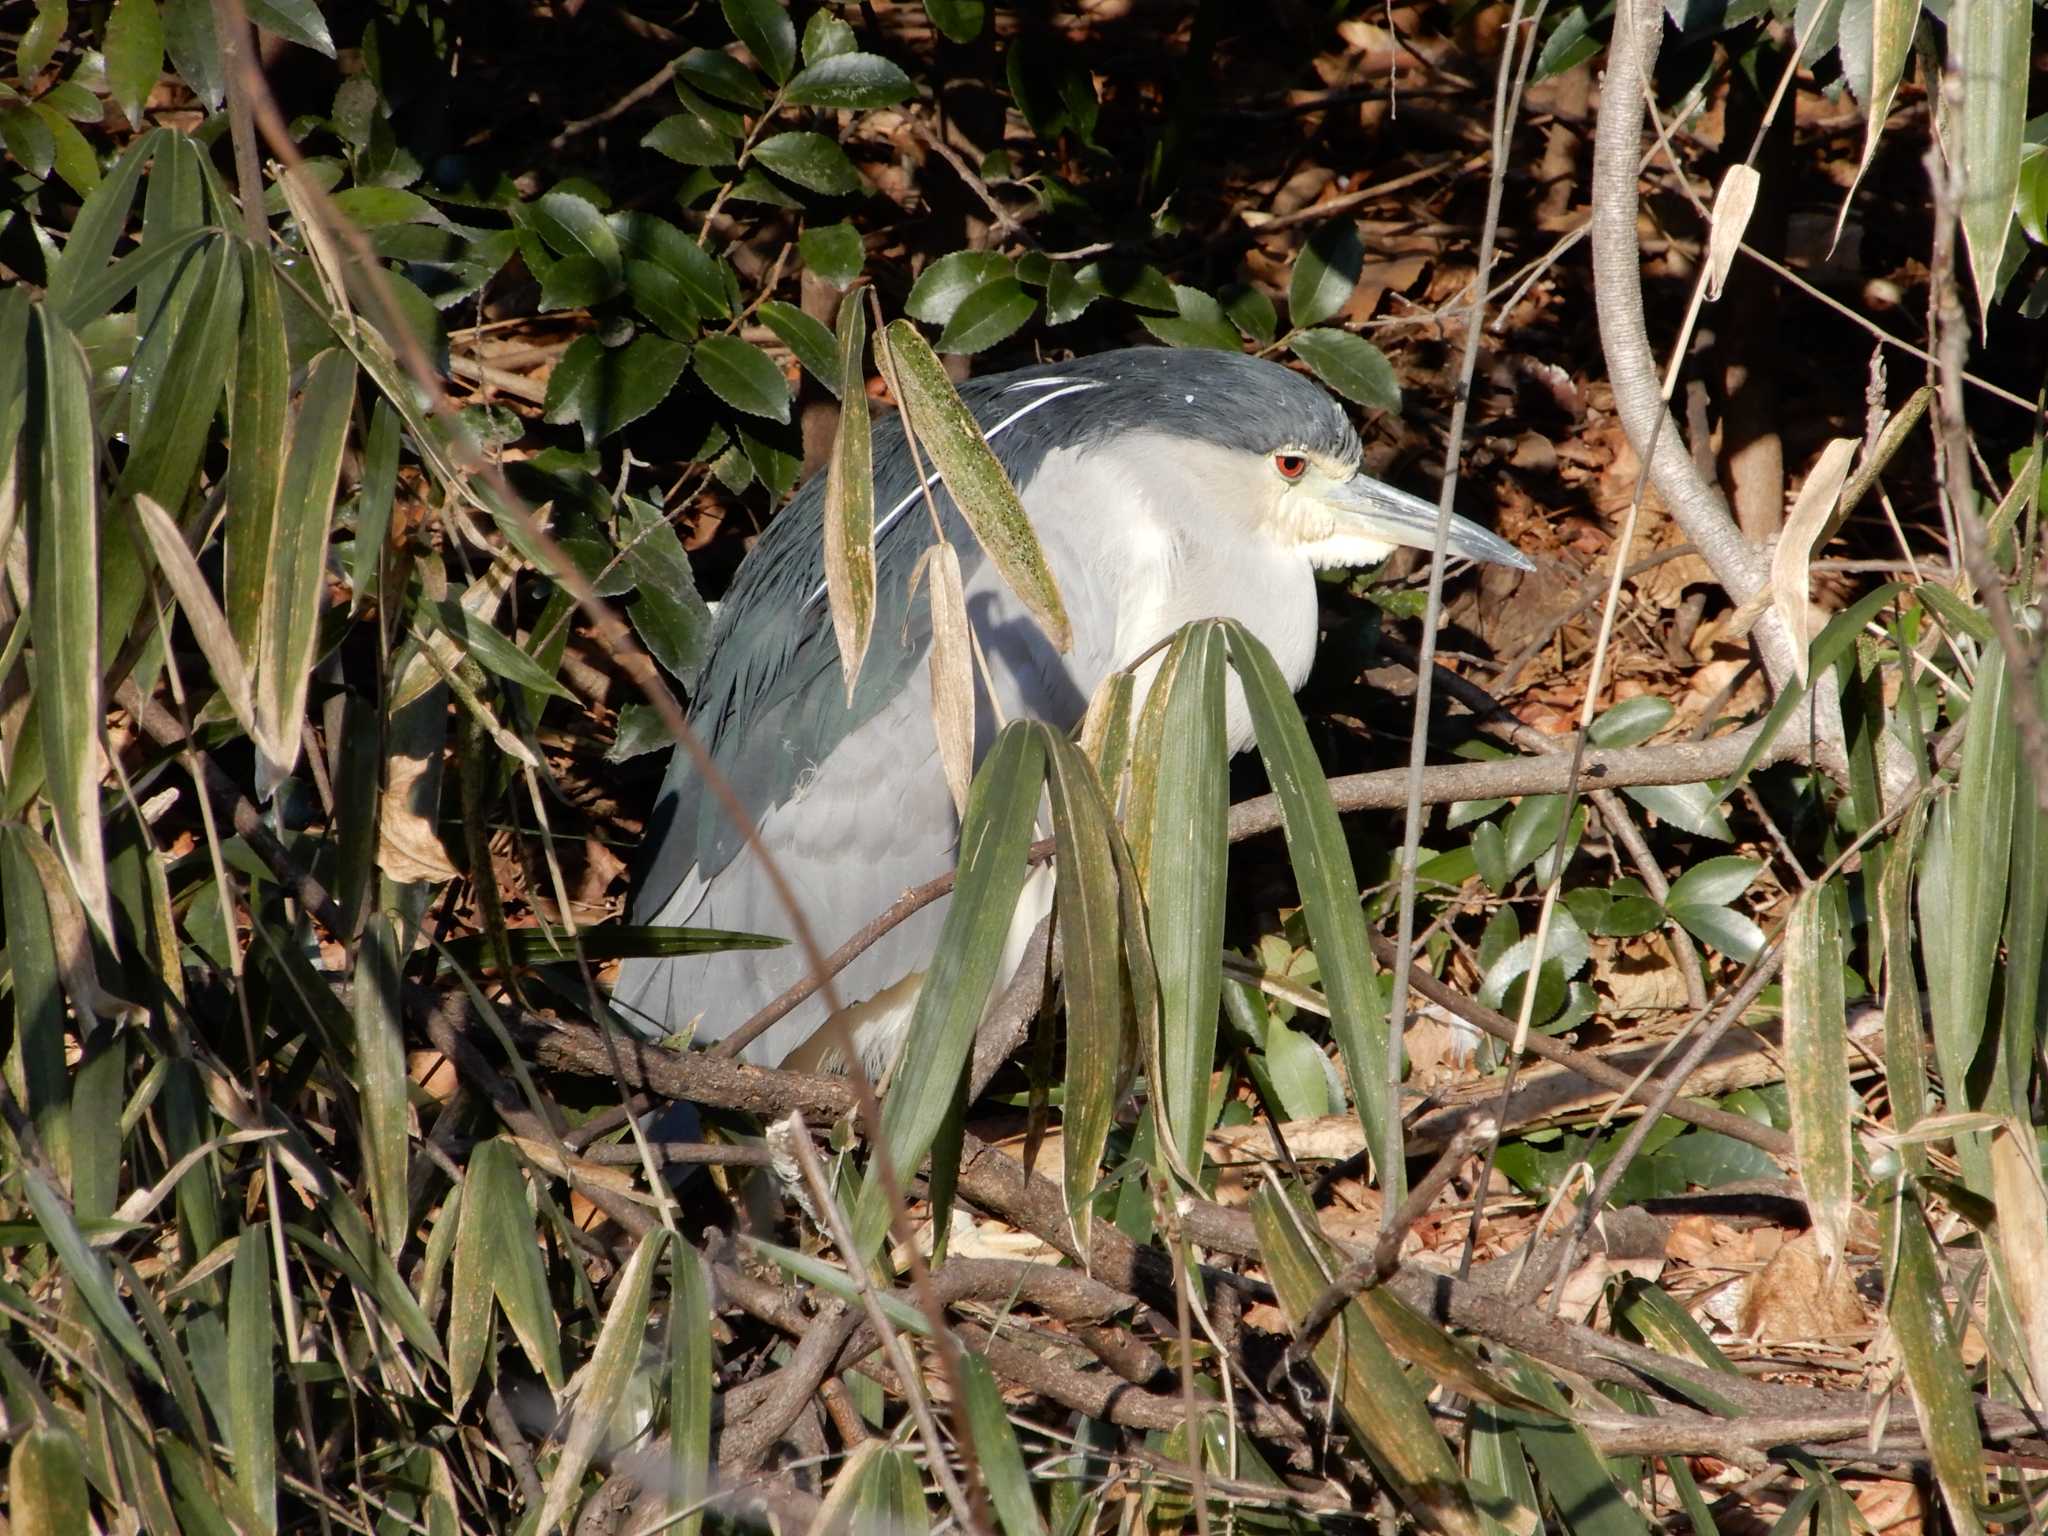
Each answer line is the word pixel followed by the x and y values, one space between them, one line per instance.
pixel 1164 485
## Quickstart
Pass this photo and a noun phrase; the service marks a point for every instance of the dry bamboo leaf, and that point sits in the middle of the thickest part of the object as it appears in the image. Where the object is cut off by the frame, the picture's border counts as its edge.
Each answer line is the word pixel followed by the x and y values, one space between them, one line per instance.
pixel 952 668
pixel 2022 1201
pixel 1792 560
pixel 1733 205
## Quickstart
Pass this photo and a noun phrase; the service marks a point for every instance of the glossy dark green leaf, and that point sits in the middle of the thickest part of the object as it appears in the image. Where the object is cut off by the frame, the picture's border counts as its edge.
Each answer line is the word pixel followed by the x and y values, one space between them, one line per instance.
pixel 1250 311
pixel 601 389
pixel 1200 322
pixel 1694 808
pixel 723 76
pixel 1631 722
pixel 709 282
pixel 743 376
pixel 195 49
pixel 960 20
pixel 296 21
pixel 764 26
pixel 807 338
pixel 134 54
pixel 1325 273
pixel 75 161
pixel 833 251
pixel 668 614
pixel 852 80
pixel 1714 882
pixel 689 140
pixel 991 313
pixel 933 1057
pixel 1735 935
pixel 810 160
pixel 573 226
pixel 1350 365
pixel 662 297
pixel 27 138
pixel 944 285
pixel 1130 282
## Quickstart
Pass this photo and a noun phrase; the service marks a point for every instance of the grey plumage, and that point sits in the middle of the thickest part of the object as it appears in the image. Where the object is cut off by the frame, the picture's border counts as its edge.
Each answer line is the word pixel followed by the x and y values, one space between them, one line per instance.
pixel 1116 458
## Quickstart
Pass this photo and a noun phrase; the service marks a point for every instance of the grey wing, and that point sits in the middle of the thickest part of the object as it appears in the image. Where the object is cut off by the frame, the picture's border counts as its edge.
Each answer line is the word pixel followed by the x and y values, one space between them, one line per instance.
pixel 872 820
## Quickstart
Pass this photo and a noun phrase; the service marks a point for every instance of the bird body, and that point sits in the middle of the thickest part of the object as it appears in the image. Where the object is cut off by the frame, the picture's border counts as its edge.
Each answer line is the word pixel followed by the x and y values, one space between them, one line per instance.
pixel 1164 486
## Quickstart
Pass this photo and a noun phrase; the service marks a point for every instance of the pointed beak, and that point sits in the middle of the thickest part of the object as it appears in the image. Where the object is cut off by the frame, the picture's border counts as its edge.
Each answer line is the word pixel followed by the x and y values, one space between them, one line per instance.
pixel 1367 510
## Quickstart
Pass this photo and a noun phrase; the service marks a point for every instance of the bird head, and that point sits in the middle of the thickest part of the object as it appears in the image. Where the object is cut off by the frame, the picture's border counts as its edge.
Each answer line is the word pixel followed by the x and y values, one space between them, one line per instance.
pixel 1339 515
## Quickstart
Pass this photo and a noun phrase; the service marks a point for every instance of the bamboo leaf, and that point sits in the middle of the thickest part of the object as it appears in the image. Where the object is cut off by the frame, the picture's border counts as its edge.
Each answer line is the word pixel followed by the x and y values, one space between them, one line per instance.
pixel 1989 42
pixel 59 486
pixel 691 1367
pixel 1817 1067
pixel 293 597
pixel 1323 872
pixel 1185 885
pixel 2022 1242
pixel 252 1382
pixel 1803 536
pixel 612 1363
pixel 850 501
pixel 87 1271
pixel 1098 1048
pixel 981 490
pixel 996 1455
pixel 46 1484
pixel 260 414
pixel 1386 1414
pixel 1934 1367
pixel 951 665
pixel 933 1057
pixel 381 1076
pixel 209 625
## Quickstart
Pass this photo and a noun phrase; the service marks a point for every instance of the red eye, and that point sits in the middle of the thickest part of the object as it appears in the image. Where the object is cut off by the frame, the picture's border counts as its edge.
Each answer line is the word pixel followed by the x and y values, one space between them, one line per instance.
pixel 1292 466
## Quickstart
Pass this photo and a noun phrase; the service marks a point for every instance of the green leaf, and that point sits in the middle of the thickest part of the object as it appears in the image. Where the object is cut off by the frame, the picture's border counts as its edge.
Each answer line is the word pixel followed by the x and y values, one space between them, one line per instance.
pixel 1185 885
pixel 296 21
pixel 661 296
pixel 810 160
pixel 849 80
pixel 1714 882
pixel 252 1378
pixel 687 139
pixel 573 226
pixel 613 1362
pixel 743 376
pixel 807 338
pixel 668 613
pixel 101 225
pixel 974 476
pixel 86 1270
pixel 27 138
pixel 1989 43
pixel 293 596
pixel 932 1061
pixel 764 26
pixel 1942 1400
pixel 1833 643
pixel 960 20
pixel 58 482
pixel 1730 932
pixel 692 1363
pixel 834 252
pixel 260 411
pixel 170 441
pixel 135 54
pixel 996 1456
pixel 1631 722
pixel 1350 365
pixel 194 49
pixel 1695 808
pixel 991 313
pixel 825 37
pixel 602 389
pixel 1131 282
pixel 1087 910
pixel 723 76
pixel 1325 273
pixel 1250 311
pixel 1201 322
pixel 943 286
pixel 46 1484
pixel 1320 856
pixel 1386 1414
pixel 708 281
pixel 850 501
pixel 834 1281
pixel 1816 1068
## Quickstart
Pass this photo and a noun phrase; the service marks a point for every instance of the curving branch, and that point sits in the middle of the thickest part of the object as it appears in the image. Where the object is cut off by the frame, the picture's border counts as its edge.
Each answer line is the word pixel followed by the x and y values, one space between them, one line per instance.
pixel 1697 505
